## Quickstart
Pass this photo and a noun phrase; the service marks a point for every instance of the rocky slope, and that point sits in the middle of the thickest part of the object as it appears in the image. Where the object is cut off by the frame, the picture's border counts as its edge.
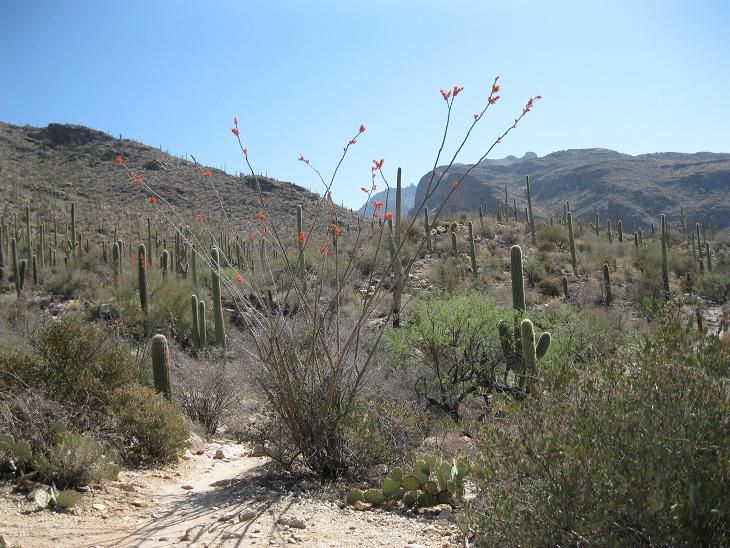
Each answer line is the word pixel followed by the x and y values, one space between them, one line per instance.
pixel 68 162
pixel 636 188
pixel 387 196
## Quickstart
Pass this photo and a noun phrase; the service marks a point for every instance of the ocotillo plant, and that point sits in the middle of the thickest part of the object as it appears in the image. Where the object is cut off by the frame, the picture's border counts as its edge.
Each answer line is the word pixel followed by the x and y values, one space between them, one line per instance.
pixel 220 334
pixel 571 242
pixel 518 282
pixel 607 284
pixel 665 268
pixel 161 365
pixel 301 237
pixel 531 218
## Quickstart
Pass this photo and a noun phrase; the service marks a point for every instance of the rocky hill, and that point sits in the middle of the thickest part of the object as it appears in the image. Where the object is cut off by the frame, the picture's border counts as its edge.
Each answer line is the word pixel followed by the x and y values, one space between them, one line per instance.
pixel 636 188
pixel 69 162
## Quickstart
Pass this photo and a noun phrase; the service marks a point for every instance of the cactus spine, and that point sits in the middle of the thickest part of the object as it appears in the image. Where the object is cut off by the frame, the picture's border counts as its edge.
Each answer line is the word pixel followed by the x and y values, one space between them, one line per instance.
pixel 472 252
pixel 531 219
pixel 220 334
pixel 161 365
pixel 665 269
pixel 518 282
pixel 571 242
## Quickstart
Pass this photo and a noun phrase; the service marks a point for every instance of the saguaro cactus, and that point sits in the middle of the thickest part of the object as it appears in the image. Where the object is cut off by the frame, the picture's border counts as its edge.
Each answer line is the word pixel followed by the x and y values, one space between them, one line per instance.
pixel 202 330
pixel 220 333
pixel 73 224
pixel 518 282
pixel 16 267
pixel 454 247
pixel 161 365
pixel 472 252
pixel 531 219
pixel 607 283
pixel 142 276
pixel 571 242
pixel 195 331
pixel 665 269
pixel 531 353
pixel 116 264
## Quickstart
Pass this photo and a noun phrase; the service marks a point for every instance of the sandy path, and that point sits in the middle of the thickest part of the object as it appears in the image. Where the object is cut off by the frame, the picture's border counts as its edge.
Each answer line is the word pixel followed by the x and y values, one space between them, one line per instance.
pixel 205 501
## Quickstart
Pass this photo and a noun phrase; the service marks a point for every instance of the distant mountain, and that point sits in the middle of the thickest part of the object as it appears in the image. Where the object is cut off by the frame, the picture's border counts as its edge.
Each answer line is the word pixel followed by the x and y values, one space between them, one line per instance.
pixel 636 188
pixel 387 196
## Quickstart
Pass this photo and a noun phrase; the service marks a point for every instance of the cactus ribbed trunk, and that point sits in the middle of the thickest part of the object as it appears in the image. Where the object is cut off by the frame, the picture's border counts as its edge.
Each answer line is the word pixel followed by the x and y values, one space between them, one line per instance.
pixel 16 267
pixel 161 365
pixel 116 264
pixel 202 325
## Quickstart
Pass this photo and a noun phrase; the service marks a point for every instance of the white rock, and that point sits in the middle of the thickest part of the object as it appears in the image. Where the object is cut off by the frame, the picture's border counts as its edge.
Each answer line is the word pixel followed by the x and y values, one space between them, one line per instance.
pixel 99 506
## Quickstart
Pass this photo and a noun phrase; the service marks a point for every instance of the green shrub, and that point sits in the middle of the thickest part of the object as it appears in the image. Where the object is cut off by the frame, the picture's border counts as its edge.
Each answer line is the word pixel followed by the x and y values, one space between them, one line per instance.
pixel 79 363
pixel 454 344
pixel 714 286
pixel 74 460
pixel 152 429
pixel 632 452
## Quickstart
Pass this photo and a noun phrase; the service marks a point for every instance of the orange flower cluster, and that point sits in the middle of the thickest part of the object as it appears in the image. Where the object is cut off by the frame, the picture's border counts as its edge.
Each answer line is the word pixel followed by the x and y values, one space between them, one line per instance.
pixel 152 200
pixel 199 219
pixel 302 237
pixel 335 229
pixel 261 216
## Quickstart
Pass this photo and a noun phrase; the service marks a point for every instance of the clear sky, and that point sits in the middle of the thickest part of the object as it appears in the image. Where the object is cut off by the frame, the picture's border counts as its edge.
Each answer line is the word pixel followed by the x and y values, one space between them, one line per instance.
pixel 635 76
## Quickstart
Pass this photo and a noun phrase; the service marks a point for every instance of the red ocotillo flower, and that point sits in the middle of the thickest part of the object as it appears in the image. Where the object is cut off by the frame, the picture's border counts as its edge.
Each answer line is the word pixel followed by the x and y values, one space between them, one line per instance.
pixel 137 178
pixel 152 200
pixel 388 216
pixel 118 160
pixel 302 237
pixel 303 159
pixel 261 216
pixel 238 278
pixel 199 219
pixel 336 229
pixel 235 131
pixel 362 128
pixel 207 173
pixel 324 248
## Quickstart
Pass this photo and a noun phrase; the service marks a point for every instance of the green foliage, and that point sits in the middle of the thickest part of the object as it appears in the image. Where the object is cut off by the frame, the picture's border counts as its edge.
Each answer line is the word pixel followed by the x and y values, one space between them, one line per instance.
pixel 631 452
pixel 79 363
pixel 453 342
pixel 75 460
pixel 714 286
pixel 434 481
pixel 152 428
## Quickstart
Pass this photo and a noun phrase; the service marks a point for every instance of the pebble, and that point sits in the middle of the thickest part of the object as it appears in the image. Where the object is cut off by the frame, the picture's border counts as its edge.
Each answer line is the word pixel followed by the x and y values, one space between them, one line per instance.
pixel 231 535
pixel 228 516
pixel 246 515
pixel 294 523
pixel 219 455
pixel 99 506
pixel 187 487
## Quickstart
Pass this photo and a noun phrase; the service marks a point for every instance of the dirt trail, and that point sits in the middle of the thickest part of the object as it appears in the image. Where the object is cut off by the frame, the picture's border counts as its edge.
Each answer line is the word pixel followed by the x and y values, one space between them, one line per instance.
pixel 207 501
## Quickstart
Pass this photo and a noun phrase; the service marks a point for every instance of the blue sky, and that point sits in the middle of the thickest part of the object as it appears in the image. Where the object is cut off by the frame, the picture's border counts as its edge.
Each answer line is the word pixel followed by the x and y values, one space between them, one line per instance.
pixel 635 76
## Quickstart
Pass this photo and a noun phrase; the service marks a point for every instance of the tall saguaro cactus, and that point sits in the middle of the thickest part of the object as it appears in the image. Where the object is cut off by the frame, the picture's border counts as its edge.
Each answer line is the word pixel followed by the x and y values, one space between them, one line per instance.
pixel 161 365
pixel 665 269
pixel 531 219
pixel 195 331
pixel 518 282
pixel 220 333
pixel 472 252
pixel 607 283
pixel 571 243
pixel 142 276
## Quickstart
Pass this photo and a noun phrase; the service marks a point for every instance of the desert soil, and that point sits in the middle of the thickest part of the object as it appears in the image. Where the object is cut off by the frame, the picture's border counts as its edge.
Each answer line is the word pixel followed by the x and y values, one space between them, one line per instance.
pixel 208 501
